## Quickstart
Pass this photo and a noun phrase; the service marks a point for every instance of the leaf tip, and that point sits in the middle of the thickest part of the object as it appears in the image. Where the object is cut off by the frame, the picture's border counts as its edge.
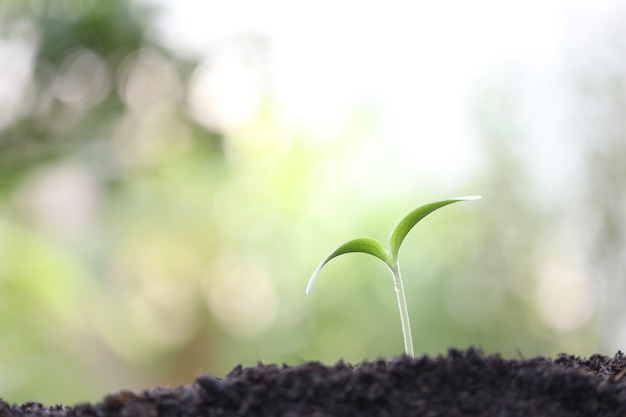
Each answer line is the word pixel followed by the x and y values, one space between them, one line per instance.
pixel 309 285
pixel 469 197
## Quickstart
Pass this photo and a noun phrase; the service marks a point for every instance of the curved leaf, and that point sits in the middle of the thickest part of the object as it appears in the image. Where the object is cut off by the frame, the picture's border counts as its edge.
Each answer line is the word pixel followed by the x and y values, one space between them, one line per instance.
pixel 411 219
pixel 364 245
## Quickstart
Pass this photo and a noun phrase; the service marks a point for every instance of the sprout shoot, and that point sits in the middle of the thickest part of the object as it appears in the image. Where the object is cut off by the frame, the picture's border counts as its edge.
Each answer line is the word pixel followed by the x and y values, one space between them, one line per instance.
pixel 389 256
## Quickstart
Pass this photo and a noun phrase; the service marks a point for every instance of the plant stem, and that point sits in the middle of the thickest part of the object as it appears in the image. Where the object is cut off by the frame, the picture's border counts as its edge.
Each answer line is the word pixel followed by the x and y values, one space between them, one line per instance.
pixel 404 311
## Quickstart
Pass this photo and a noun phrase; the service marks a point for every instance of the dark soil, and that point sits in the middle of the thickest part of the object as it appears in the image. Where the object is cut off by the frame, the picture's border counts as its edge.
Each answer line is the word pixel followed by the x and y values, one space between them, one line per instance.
pixel 463 383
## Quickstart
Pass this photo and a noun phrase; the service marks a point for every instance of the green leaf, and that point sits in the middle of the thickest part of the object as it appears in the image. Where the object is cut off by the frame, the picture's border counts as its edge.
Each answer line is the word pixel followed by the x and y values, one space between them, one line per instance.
pixel 411 219
pixel 364 245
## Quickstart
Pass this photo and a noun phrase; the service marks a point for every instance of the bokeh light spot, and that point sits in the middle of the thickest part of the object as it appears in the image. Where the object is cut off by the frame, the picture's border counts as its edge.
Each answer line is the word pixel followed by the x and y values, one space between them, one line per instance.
pixel 82 79
pixel 224 93
pixel 565 299
pixel 242 297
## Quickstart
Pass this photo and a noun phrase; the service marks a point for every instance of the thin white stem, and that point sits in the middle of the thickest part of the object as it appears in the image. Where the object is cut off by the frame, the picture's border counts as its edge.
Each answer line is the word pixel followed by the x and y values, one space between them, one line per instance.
pixel 404 311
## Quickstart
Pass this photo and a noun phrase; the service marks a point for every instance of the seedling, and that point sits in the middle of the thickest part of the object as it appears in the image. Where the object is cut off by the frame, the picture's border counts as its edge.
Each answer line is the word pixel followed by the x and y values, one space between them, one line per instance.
pixel 389 256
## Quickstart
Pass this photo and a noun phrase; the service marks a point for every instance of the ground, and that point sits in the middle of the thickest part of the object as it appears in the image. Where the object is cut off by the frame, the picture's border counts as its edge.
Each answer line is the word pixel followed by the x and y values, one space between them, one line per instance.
pixel 461 383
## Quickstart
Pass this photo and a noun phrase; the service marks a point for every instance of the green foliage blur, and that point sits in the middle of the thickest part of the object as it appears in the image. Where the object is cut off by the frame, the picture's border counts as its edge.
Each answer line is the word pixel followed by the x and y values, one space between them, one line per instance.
pixel 142 245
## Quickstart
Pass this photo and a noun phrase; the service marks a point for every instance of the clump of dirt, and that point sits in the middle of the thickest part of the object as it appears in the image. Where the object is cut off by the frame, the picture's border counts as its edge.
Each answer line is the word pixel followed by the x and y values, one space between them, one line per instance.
pixel 461 383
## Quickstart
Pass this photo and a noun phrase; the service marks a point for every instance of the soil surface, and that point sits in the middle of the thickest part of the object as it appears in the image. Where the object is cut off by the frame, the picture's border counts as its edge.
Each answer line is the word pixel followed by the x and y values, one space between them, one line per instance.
pixel 462 383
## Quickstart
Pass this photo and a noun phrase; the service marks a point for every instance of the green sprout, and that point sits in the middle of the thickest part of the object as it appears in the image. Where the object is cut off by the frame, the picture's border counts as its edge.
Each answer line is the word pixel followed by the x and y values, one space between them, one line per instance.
pixel 389 256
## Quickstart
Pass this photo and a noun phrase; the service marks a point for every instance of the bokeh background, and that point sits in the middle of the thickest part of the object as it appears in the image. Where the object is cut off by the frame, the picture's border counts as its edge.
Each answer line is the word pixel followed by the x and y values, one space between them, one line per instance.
pixel 171 172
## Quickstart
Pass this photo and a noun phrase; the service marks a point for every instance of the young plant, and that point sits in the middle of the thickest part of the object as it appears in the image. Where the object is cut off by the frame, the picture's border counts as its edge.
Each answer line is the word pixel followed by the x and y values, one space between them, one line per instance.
pixel 389 256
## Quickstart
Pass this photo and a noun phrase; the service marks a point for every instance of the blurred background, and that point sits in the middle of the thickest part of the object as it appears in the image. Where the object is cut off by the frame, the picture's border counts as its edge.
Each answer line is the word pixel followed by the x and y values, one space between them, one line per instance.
pixel 171 172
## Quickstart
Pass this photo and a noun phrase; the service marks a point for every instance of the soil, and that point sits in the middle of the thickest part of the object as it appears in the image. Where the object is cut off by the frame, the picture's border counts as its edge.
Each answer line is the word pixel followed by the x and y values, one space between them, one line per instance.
pixel 461 383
